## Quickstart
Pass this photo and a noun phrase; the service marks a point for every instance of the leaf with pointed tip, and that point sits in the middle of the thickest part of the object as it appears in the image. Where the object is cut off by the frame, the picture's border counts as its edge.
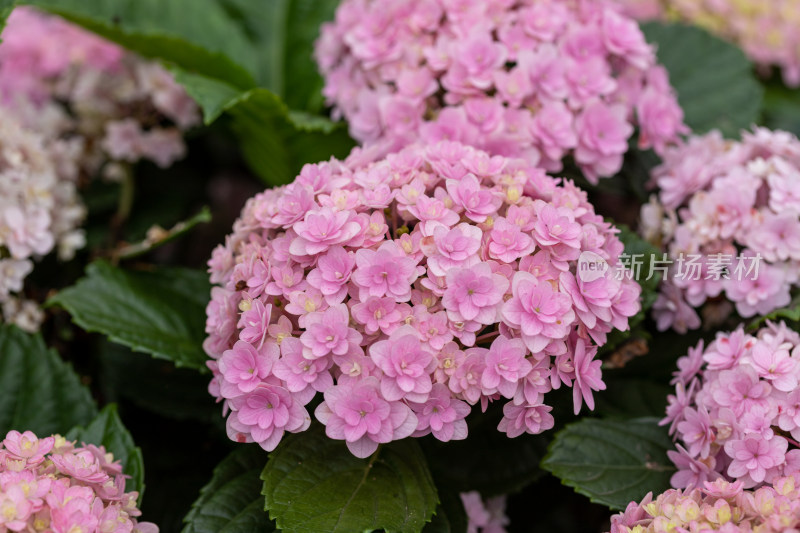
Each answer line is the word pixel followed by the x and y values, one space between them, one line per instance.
pixel 612 462
pixel 275 141
pixel 108 430
pixel 231 501
pixel 38 391
pixel 160 312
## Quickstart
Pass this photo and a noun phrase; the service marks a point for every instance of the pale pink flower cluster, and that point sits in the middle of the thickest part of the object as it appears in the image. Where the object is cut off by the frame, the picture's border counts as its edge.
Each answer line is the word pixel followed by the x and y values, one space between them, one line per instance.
pixel 67 82
pixel 39 211
pixel 766 30
pixel 536 79
pixel 719 199
pixel 51 485
pixel 484 517
pixel 736 409
pixel 406 291
pixel 717 506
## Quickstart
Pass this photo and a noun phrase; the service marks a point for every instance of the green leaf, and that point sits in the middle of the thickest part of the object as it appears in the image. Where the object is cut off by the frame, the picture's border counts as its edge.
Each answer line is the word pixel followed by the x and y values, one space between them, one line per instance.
pixel 38 391
pixel 284 32
pixel 107 430
pixel 160 312
pixel 313 484
pixel 612 462
pixel 715 82
pixel 231 502
pixel 275 141
pixel 277 144
pixel 197 35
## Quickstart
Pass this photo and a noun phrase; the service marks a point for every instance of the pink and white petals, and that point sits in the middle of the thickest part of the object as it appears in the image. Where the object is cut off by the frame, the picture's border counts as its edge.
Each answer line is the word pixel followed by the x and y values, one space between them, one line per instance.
pixel 407 289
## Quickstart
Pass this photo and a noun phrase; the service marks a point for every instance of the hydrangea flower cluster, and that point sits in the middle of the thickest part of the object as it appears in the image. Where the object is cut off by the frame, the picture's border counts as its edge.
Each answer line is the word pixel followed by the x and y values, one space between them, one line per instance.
pixel 718 506
pixel 766 31
pixel 722 200
pixel 66 82
pixel 519 78
pixel 407 290
pixel 736 409
pixel 39 211
pixel 484 517
pixel 74 106
pixel 50 484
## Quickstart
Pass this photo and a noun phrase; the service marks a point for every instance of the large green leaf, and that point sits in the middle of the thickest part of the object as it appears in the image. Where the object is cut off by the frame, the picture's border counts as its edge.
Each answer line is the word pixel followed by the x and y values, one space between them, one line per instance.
pixel 197 35
pixel 715 82
pixel 107 430
pixel 313 484
pixel 160 312
pixel 612 462
pixel 275 141
pixel 284 32
pixel 231 502
pixel 38 391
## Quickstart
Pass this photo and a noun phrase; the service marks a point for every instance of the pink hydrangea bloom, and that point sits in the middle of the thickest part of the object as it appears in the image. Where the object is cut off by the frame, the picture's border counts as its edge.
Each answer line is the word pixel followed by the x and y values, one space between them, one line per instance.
pixel 243 367
pixel 729 418
pixel 355 411
pixel 522 79
pixel 40 211
pixel 474 293
pixel 441 415
pixel 455 284
pixel 726 217
pixel 542 313
pixel 73 106
pixel 716 506
pixel 45 60
pixel 49 484
pixel 484 517
pixel 265 413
